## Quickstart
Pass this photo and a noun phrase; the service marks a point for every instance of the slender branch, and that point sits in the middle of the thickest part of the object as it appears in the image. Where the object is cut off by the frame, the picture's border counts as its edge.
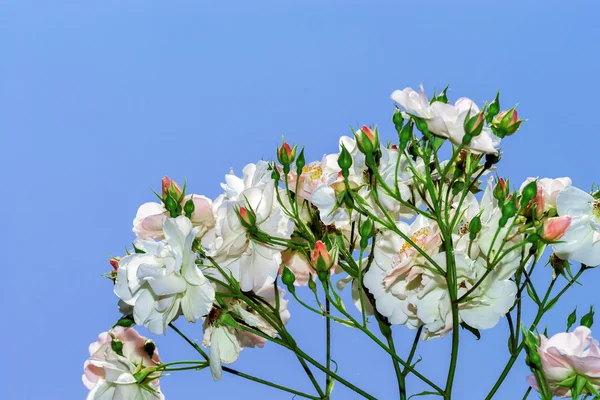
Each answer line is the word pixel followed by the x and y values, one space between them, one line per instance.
pixel 233 371
pixel 413 349
pixel 542 309
pixel 387 333
pixel 386 349
pixel 267 383
pixel 327 343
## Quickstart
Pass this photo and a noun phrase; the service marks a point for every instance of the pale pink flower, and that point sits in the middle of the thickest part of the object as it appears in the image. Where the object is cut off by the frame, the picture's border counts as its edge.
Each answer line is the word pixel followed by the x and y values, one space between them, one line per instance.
pixel 299 266
pixel 203 214
pixel 548 190
pixel 556 227
pixel 148 221
pixel 566 355
pixel 109 375
pixel 426 236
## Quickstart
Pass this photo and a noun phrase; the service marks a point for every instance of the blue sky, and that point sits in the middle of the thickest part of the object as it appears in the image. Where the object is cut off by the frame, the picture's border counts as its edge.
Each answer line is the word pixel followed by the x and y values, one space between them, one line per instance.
pixel 99 100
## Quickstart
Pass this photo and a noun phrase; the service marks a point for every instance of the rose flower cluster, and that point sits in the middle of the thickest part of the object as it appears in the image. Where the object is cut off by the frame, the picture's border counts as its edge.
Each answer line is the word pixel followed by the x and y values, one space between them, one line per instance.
pixel 417 240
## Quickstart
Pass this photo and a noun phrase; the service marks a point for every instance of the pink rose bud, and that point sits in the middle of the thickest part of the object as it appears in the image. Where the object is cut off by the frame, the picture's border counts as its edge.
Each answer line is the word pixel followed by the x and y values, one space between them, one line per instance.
pixel 169 185
pixel 556 227
pixel 247 217
pixel 286 154
pixel 321 258
pixel 114 263
pixel 507 122
pixel 367 140
pixel 474 125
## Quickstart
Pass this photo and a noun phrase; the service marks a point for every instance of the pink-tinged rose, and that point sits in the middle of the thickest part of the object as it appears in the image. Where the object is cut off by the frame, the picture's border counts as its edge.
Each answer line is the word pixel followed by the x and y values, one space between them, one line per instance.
pixel 299 266
pixel 540 202
pixel 405 261
pixel 566 355
pixel 550 188
pixel 169 185
pixel 556 227
pixel 148 222
pixel 133 351
pixel 203 214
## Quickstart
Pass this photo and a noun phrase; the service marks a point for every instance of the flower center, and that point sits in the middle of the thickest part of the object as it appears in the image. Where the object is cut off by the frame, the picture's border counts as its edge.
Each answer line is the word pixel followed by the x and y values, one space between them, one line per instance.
pixel 314 171
pixel 596 208
pixel 416 237
pixel 464 229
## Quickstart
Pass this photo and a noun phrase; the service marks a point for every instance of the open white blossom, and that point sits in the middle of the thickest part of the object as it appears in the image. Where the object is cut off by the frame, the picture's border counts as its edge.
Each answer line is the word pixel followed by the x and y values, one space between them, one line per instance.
pixel 482 310
pixel 250 262
pixel 447 120
pixel 163 282
pixel 581 242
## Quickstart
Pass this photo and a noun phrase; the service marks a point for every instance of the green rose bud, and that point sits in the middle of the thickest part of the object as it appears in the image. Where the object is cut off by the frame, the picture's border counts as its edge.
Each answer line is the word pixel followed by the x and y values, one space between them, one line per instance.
pixel 367 140
pixel 509 209
pixel 405 135
pixel 311 284
pixel 571 319
pixel 287 276
pixel 494 108
pixel 125 321
pixel 275 175
pixel 473 126
pixel 421 125
pixel 345 161
pixel 116 345
pixel 367 228
pixel 588 319
pixel 529 192
pixel 189 207
pixel 398 120
pixel 171 205
pixel 474 227
pixel 286 154
pixel 300 162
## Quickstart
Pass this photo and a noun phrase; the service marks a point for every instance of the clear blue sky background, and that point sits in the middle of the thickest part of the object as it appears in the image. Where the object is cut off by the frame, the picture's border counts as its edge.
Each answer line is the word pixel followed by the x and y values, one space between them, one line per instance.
pixel 99 100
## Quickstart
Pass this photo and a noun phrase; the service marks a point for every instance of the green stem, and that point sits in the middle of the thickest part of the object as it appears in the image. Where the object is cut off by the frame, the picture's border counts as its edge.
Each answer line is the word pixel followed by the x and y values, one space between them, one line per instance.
pixel 386 349
pixel 387 332
pixel 335 376
pixel 267 383
pixel 452 290
pixel 191 343
pixel 413 349
pixel 541 311
pixel 327 343
pixel 233 371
